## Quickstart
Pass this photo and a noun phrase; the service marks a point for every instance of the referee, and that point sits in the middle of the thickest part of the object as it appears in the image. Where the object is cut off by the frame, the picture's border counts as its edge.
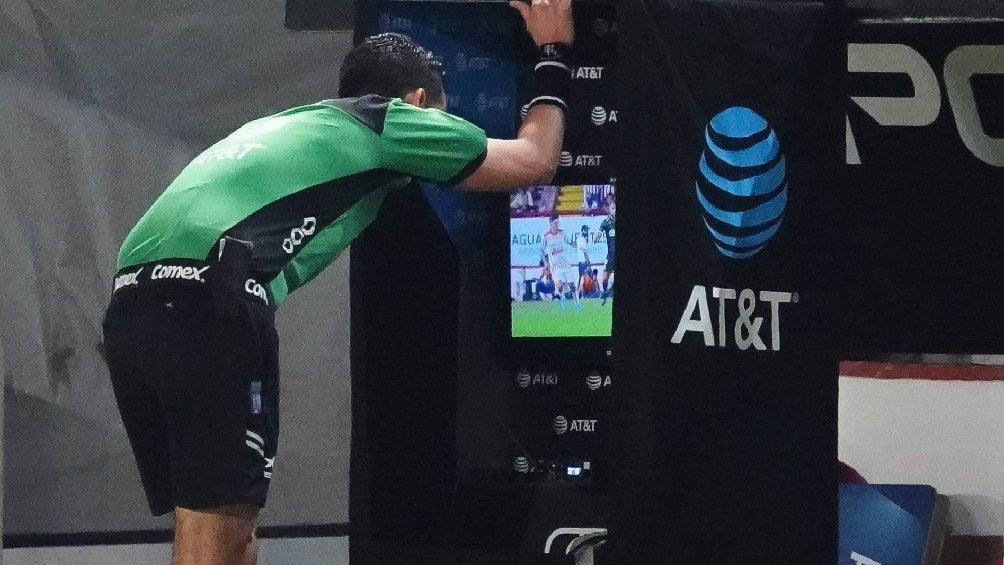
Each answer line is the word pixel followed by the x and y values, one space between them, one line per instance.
pixel 190 337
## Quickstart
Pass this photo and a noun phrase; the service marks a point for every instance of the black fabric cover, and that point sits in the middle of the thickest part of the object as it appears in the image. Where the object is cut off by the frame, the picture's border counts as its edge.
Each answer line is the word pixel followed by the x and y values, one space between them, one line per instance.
pixel 726 452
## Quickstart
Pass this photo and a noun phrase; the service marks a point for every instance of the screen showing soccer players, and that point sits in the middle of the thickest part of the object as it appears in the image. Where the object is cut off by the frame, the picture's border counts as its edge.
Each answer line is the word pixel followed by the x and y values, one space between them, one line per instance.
pixel 561 260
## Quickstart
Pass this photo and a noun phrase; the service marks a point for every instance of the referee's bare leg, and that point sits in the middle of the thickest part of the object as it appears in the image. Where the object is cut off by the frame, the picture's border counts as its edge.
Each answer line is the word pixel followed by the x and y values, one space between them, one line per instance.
pixel 216 536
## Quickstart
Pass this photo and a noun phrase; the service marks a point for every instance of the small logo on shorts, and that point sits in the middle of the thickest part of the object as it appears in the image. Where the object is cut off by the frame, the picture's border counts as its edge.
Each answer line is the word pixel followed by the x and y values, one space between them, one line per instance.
pixel 256 397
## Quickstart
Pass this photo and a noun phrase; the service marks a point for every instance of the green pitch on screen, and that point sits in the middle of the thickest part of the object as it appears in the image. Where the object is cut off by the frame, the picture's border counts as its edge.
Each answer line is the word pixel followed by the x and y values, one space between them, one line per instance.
pixel 545 318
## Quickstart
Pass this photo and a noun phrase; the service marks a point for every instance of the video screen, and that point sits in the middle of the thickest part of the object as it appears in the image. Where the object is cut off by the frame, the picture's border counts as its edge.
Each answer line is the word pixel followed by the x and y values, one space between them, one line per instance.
pixel 561 260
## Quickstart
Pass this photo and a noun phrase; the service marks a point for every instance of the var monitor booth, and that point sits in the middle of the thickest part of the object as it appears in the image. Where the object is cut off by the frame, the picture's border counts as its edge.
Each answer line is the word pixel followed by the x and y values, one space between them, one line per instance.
pixel 520 397
pixel 482 371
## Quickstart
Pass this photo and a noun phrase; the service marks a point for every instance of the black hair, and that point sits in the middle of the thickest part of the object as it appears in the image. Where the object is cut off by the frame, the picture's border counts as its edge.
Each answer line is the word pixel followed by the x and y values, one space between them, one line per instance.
pixel 390 65
pixel 553 217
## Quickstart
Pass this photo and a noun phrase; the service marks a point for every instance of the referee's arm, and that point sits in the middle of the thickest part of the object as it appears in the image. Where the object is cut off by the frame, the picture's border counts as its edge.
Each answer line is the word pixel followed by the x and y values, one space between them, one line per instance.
pixel 530 159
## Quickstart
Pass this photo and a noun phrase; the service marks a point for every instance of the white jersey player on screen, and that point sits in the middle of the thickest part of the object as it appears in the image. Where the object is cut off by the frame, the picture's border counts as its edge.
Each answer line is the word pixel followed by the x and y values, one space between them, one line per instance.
pixel 559 251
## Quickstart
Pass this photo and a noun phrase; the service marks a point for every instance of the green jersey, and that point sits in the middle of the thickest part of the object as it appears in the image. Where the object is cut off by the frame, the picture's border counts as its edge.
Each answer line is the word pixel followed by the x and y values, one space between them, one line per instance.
pixel 300 185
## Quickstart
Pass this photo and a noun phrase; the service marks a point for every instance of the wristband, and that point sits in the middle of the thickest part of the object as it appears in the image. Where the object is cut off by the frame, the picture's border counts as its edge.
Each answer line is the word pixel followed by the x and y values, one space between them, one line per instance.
pixel 554 51
pixel 552 77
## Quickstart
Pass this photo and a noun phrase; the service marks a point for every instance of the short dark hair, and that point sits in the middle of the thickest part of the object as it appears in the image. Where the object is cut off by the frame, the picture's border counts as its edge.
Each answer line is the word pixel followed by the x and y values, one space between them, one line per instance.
pixel 390 65
pixel 554 216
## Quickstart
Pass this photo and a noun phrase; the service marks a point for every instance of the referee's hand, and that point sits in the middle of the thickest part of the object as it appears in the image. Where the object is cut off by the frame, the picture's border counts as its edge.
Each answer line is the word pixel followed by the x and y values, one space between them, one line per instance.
pixel 548 21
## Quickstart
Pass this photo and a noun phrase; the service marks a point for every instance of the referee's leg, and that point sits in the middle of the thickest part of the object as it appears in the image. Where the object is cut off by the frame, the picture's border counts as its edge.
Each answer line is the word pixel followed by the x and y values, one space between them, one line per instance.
pixel 224 535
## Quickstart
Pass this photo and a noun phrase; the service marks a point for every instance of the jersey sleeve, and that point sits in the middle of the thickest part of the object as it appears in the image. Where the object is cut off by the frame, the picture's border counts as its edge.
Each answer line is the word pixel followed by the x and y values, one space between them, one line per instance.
pixel 431 144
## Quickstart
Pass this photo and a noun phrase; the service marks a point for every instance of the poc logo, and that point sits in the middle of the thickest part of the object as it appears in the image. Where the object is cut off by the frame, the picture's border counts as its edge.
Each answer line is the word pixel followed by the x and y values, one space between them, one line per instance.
pixel 177 272
pixel 923 108
pixel 746 328
pixel 127 279
pixel 588 73
pixel 591 161
pixel 252 287
pixel 601 116
pixel 297 235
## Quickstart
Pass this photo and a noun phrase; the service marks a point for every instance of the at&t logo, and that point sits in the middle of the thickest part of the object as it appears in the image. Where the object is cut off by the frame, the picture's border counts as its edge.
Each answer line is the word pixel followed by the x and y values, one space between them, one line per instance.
pixel 561 425
pixel 588 73
pixel 485 102
pixel 742 183
pixel 595 381
pixel 465 63
pixel 521 465
pixel 741 319
pixel 589 161
pixel 601 116
pixel 603 27
pixel 524 379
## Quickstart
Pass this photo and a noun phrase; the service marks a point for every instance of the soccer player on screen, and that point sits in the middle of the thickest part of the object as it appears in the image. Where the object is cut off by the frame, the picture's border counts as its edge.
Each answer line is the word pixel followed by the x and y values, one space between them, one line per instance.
pixel 581 244
pixel 610 233
pixel 557 247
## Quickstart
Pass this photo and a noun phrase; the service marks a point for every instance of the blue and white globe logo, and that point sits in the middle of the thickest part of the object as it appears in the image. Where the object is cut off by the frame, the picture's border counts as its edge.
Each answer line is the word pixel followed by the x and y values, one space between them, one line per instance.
pixel 743 182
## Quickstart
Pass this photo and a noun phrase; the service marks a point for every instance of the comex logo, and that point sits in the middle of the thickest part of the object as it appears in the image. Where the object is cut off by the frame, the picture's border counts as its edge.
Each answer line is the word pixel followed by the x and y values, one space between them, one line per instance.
pixel 297 235
pixel 252 287
pixel 521 465
pixel 743 182
pixel 560 425
pixel 523 379
pixel 127 279
pixel 178 272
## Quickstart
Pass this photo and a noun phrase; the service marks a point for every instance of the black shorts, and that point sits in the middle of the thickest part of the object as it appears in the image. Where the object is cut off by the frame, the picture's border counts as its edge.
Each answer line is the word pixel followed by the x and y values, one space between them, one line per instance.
pixel 610 263
pixel 198 393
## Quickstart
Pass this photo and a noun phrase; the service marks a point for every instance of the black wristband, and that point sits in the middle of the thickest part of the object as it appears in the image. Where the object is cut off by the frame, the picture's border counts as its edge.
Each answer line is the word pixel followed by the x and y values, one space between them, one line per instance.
pixel 552 77
pixel 554 51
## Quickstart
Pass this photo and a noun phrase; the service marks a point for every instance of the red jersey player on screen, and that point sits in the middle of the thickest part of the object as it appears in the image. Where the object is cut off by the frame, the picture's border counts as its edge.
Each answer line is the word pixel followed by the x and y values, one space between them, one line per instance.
pixel 559 252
